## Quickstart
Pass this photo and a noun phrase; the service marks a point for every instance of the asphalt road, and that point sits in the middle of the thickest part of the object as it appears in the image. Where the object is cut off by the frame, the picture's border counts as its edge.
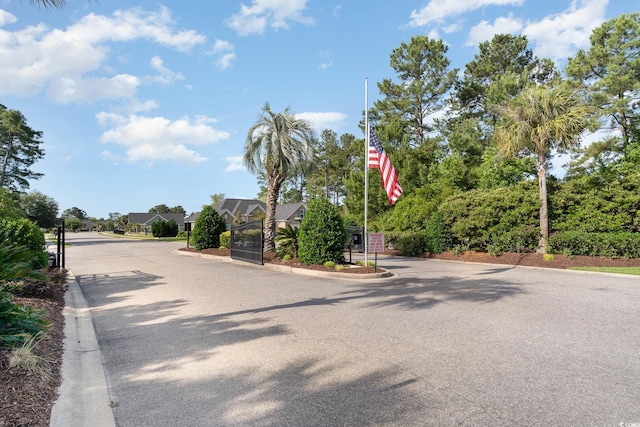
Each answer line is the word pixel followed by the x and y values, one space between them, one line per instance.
pixel 194 342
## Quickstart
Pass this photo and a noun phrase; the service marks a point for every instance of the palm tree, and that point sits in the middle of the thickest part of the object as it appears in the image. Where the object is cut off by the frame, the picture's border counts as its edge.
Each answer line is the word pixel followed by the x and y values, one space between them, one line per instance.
pixel 50 4
pixel 537 120
pixel 280 146
pixel 287 237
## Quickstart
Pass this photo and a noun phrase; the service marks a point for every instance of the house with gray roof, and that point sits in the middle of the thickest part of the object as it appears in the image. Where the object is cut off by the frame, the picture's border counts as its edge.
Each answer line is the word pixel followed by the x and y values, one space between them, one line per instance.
pixel 142 220
pixel 245 210
pixel 290 214
pixel 242 210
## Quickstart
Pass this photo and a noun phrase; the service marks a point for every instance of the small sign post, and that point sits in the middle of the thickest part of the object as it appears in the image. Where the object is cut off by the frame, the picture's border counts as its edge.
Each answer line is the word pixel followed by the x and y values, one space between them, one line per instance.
pixel 376 244
pixel 187 228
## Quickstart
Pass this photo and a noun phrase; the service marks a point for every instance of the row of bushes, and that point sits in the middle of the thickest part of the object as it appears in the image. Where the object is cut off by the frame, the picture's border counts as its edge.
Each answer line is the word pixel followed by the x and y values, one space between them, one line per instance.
pixel 321 237
pixel 163 228
pixel 610 245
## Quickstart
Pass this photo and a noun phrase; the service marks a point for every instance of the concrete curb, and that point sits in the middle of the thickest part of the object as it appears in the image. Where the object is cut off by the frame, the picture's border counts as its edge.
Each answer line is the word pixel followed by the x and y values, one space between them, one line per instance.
pixel 289 269
pixel 83 395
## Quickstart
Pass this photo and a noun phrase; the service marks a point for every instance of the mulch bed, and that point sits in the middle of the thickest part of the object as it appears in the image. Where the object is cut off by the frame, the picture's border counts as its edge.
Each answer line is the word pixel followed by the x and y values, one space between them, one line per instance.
pixel 523 259
pixel 270 258
pixel 26 399
pixel 537 260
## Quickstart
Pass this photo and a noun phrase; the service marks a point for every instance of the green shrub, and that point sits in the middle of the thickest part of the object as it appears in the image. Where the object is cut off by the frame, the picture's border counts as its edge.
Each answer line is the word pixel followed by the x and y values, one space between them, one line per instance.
pixel 411 244
pixel 322 235
pixel 459 250
pixel 611 245
pixel 287 239
pixel 596 207
pixel 524 238
pixel 207 229
pixel 437 234
pixel 27 235
pixel 548 257
pixel 225 239
pixel 330 264
pixel 18 323
pixel 163 228
pixel 477 216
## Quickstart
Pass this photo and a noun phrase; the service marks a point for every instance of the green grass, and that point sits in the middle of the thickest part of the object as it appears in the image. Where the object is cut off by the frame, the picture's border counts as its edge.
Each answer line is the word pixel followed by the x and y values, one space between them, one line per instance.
pixel 619 270
pixel 142 236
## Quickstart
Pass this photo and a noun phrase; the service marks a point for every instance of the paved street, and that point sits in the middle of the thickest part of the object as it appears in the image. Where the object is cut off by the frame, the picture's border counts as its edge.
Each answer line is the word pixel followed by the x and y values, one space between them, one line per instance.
pixel 188 341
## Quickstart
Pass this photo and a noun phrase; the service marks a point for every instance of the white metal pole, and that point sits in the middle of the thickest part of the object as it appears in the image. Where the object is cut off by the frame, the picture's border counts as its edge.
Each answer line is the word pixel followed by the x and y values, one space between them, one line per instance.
pixel 366 168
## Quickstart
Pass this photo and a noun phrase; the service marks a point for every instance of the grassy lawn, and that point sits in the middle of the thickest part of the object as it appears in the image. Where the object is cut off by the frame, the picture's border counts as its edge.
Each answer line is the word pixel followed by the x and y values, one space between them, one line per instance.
pixel 142 236
pixel 619 270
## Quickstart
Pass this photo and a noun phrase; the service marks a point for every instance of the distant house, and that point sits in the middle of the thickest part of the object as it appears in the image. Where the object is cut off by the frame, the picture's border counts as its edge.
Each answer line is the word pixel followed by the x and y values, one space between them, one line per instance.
pixel 245 210
pixel 290 214
pixel 141 221
pixel 240 210
pixel 236 210
pixel 87 225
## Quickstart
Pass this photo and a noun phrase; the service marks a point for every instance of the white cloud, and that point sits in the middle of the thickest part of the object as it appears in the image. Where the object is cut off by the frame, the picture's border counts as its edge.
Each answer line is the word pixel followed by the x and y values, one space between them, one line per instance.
pixel 221 46
pixel 452 28
pixel 235 164
pixel 276 14
pixel 434 34
pixel 166 75
pixel 485 31
pixel 438 10
pixel 6 18
pixel 151 139
pixel 225 52
pixel 67 90
pixel 321 121
pixel 38 59
pixel 225 61
pixel 560 35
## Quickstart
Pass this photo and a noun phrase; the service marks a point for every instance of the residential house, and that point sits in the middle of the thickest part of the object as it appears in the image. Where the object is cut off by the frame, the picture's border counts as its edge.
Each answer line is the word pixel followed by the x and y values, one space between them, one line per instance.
pixel 290 214
pixel 245 210
pixel 141 221
pixel 236 210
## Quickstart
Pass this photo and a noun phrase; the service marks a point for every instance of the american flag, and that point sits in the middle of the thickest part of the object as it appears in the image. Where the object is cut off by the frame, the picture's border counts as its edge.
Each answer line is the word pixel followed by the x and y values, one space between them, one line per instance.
pixel 378 159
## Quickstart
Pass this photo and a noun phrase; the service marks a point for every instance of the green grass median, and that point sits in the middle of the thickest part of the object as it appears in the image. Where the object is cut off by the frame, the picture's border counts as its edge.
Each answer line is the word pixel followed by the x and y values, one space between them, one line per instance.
pixel 617 270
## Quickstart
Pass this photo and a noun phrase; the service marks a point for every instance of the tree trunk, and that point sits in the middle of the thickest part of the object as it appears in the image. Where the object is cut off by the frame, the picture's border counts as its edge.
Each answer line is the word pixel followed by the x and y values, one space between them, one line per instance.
pixel 544 214
pixel 274 182
pixel 5 161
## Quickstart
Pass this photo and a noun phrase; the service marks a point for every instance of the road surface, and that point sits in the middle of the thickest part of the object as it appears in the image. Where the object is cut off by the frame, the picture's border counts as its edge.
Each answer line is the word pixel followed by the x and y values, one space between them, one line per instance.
pixel 195 342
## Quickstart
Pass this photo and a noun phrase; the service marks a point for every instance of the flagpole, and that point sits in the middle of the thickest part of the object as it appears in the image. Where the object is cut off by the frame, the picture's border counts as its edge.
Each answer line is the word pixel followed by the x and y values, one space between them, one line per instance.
pixel 366 168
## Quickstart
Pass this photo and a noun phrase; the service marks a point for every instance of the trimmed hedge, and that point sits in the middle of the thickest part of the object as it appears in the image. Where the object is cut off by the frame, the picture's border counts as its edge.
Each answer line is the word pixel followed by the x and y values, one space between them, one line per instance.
pixel 478 217
pixel 411 244
pixel 207 229
pixel 163 228
pixel 610 245
pixel 225 239
pixel 322 235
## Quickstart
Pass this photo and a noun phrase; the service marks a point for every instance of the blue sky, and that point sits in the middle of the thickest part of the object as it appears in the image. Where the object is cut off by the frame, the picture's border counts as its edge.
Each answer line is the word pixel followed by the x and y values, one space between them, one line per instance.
pixel 150 104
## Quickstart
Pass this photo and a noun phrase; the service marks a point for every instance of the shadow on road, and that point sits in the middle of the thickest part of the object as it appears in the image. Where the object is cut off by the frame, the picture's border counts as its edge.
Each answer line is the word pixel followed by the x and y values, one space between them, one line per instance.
pixel 149 345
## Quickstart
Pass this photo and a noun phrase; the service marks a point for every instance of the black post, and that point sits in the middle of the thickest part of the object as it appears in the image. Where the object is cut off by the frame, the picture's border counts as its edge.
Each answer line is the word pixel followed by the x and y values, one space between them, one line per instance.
pixel 63 239
pixel 375 263
pixel 58 247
